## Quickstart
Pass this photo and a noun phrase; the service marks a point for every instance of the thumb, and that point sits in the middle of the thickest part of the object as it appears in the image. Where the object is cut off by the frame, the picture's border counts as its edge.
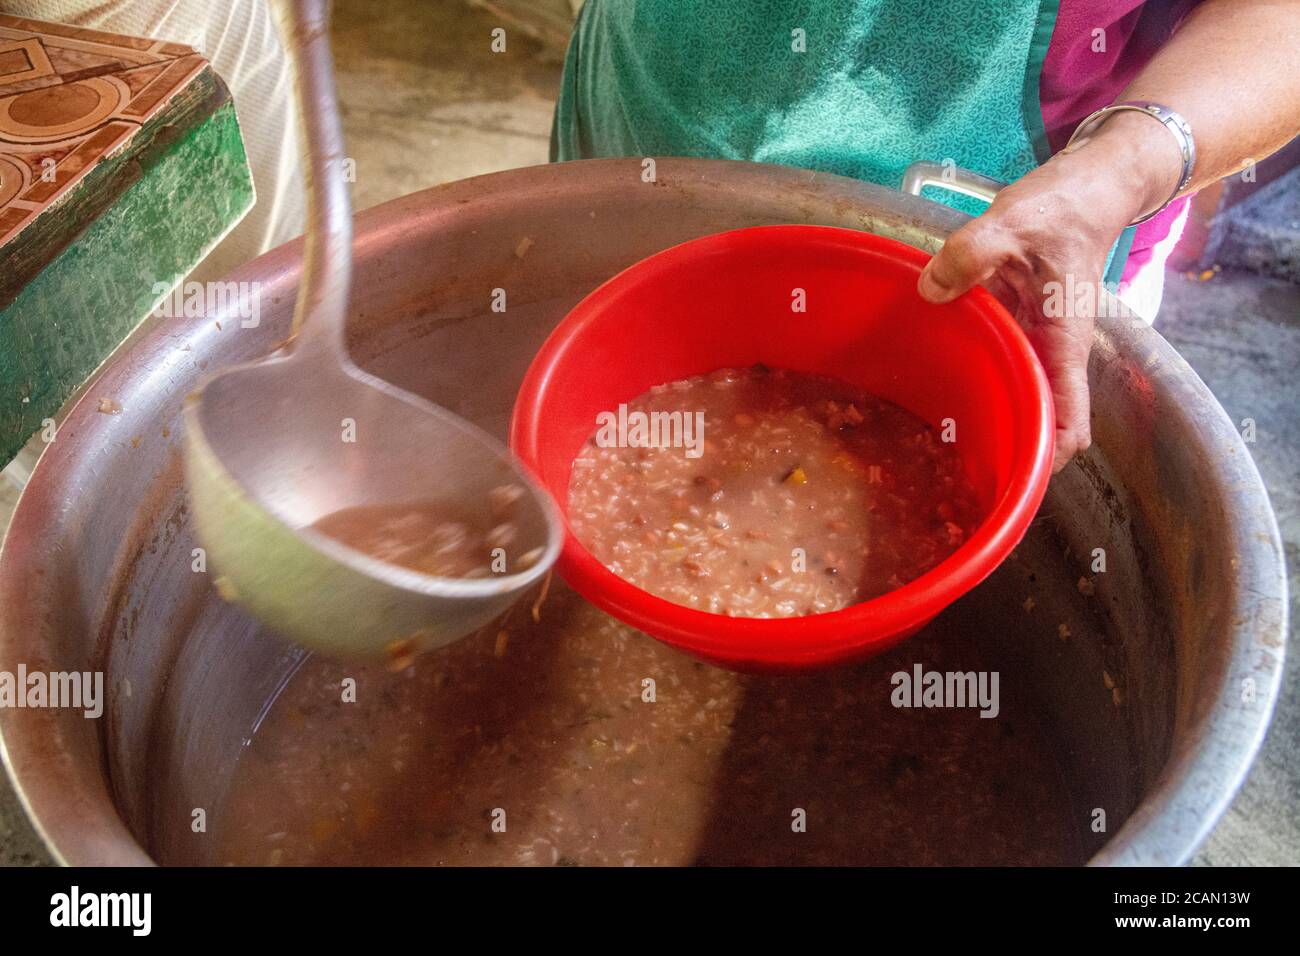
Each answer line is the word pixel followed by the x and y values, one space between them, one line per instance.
pixel 969 257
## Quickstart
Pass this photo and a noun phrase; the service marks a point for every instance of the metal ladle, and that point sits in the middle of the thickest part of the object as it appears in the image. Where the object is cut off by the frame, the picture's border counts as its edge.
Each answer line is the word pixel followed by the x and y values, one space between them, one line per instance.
pixel 274 445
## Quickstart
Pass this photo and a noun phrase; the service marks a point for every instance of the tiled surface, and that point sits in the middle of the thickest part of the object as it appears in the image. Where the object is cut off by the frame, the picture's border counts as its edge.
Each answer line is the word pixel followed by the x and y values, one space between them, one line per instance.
pixel 121 165
pixel 68 97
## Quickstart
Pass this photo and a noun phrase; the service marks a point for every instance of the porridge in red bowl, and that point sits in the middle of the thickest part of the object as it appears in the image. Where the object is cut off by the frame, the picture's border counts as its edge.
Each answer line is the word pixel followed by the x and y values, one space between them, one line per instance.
pixel 795 495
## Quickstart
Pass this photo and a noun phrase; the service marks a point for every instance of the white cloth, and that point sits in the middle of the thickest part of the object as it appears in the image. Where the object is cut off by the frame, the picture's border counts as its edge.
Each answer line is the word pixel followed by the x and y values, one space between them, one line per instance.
pixel 240 39
pixel 1144 291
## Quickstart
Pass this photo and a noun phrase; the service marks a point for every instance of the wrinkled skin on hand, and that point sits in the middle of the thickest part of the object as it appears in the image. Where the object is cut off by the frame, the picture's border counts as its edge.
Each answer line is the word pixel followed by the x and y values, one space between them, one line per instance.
pixel 1052 229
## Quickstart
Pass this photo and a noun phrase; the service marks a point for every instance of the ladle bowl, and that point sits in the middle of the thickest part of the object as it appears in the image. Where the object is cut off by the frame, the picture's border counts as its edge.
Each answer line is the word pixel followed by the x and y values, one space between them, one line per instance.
pixel 260 472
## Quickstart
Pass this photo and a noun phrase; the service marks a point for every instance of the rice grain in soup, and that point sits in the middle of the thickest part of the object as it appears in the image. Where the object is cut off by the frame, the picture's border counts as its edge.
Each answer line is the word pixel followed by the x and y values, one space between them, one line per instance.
pixel 547 751
pixel 434 537
pixel 803 494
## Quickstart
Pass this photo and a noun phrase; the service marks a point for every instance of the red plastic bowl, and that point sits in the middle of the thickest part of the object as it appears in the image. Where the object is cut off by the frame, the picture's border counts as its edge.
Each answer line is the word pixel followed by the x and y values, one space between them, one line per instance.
pixel 725 300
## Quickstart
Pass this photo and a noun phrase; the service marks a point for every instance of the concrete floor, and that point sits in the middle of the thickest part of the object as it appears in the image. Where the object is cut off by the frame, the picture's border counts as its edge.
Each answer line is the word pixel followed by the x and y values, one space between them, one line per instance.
pixel 425 101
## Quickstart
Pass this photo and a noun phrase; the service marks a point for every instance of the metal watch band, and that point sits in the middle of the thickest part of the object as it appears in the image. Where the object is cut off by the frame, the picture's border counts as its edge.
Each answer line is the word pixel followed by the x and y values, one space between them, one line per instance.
pixel 1172 121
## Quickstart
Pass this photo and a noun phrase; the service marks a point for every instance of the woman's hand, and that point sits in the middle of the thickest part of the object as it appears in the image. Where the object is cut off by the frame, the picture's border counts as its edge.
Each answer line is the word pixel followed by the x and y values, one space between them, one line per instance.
pixel 1229 70
pixel 1042 245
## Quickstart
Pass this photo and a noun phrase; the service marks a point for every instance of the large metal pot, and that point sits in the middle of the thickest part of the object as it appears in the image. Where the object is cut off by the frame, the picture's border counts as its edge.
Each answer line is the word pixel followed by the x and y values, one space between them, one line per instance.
pixel 1158 699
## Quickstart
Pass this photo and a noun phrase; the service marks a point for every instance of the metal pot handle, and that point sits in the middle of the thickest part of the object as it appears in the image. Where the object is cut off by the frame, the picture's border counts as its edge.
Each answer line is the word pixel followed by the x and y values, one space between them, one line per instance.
pixel 958 180
pixel 951 177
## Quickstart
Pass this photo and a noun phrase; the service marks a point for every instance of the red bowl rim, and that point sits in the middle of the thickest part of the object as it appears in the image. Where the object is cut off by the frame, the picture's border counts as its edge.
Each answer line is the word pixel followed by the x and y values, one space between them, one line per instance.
pixel 860 628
